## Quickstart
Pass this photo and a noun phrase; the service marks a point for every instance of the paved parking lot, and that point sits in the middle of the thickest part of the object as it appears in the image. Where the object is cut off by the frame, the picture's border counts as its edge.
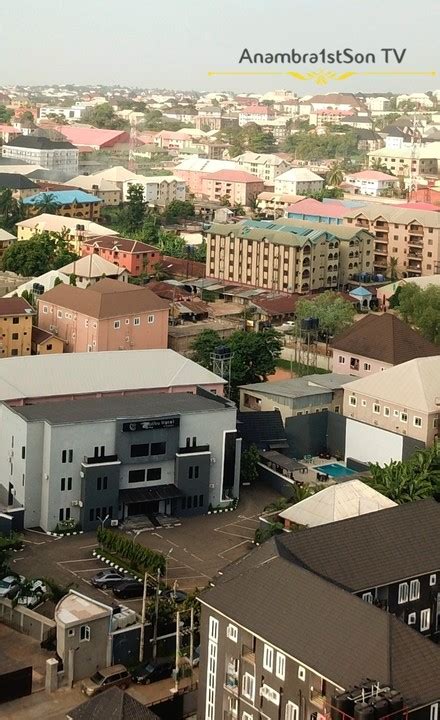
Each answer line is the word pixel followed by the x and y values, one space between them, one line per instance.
pixel 195 550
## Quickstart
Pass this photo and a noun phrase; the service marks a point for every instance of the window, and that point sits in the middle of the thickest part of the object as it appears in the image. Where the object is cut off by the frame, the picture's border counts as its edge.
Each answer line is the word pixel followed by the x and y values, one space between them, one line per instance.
pixel 158 448
pixel 64 456
pixel 189 505
pixel 15 336
pixel 376 408
pixel 396 413
pixel 403 593
pixel 67 514
pixel 150 319
pixel 412 617
pixel 213 629
pixel 98 483
pixel 248 687
pixel 386 411
pixel 84 633
pixel 127 321
pixel 71 632
pixel 136 321
pixel 367 597
pixel 232 632
pixel 425 620
pixel 280 666
pixel 117 324
pixel 246 716
pixel 91 515
pixel 63 484
pixel 432 579
pixel 291 712
pixel 367 366
pixel 301 673
pixel 200 500
pixel 353 401
pixel 154 474
pixel 135 476
pixel 45 309
pixel 434 712
pixel 417 422
pixel 414 590
pixel 15 321
pixel 364 403
pixel 403 417
pixel 268 658
pixel 49 346
pixel 139 450
pixel 270 694
pixel 70 456
pixel 61 515
pixel 341 359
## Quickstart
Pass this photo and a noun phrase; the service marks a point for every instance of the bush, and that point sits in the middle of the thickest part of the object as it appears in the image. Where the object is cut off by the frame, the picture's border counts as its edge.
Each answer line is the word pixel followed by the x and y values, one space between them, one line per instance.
pixel 11 542
pixel 262 535
pixel 67 527
pixel 140 559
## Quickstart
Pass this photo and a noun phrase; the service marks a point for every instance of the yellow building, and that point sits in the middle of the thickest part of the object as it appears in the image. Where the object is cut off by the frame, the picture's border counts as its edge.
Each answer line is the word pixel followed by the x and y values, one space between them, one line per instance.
pixel 45 343
pixel 15 327
pixel 78 229
pixel 70 203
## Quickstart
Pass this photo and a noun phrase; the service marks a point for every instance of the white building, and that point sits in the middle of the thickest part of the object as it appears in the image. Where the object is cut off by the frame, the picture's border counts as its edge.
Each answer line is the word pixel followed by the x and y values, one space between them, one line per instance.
pixel 158 189
pixel 377 104
pixel 371 182
pixel 73 113
pixel 255 114
pixel 298 181
pixel 58 156
pixel 266 166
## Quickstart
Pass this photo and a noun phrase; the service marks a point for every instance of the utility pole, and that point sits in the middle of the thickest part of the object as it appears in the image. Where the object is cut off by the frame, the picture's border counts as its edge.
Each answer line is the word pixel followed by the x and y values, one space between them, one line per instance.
pixel 156 616
pixel 191 643
pixel 144 604
pixel 176 682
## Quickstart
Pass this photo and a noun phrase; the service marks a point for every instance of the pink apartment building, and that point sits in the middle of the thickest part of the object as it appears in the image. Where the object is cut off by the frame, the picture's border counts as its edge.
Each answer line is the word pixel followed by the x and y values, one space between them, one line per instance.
pixel 110 315
pixel 237 186
pixel 137 257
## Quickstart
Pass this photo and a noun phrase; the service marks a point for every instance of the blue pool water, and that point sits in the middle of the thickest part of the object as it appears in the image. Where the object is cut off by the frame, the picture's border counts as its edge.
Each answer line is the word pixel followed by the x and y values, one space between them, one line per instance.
pixel 335 470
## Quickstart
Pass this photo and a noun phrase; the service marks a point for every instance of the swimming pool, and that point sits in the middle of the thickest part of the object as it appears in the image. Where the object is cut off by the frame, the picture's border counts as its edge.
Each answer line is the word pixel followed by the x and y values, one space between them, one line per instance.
pixel 334 470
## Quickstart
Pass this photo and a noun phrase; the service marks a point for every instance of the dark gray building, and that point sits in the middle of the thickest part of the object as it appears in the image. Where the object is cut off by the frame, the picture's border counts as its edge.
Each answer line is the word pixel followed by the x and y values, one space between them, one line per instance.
pixel 86 459
pixel 279 642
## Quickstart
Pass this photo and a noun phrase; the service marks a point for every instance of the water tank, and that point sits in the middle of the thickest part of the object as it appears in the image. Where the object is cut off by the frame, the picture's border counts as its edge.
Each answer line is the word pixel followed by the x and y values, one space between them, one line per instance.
pixel 310 323
pixel 114 623
pixel 395 704
pixel 119 618
pixel 381 707
pixel 363 711
pixel 222 351
pixel 342 704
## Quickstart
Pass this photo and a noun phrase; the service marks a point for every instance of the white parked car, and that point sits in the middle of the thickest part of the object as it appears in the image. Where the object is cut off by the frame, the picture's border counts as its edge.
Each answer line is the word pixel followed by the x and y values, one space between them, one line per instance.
pixel 9 584
pixel 34 596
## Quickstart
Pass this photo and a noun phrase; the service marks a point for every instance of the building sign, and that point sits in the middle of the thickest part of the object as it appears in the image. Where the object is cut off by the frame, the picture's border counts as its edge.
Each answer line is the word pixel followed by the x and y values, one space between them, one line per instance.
pixel 153 424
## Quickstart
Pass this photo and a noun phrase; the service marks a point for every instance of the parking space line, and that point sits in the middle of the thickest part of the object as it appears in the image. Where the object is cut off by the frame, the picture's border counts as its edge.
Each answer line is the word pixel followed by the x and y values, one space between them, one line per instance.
pixel 221 554
pixel 63 562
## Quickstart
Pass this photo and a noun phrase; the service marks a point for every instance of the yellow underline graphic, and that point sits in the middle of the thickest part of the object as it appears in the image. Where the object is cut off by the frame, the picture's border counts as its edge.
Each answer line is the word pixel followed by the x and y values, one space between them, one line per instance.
pixel 323 76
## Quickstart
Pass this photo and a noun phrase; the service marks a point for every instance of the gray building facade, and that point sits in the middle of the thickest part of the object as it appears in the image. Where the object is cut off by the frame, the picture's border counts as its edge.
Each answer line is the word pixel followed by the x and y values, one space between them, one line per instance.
pixel 84 460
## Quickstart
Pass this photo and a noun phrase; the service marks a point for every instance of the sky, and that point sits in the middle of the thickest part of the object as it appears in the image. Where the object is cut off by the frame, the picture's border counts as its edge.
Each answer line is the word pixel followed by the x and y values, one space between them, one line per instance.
pixel 175 43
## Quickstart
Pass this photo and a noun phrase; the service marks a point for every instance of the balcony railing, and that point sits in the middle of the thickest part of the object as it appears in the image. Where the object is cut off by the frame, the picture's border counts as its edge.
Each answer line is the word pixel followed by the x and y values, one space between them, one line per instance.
pixel 317 699
pixel 231 683
pixel 193 449
pixel 248 654
pixel 414 240
pixel 100 460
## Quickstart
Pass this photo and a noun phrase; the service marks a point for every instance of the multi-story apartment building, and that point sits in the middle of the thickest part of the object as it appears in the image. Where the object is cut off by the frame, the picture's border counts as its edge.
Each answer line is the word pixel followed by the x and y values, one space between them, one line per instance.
pixel 286 255
pixel 237 186
pixel 404 399
pixel 158 189
pixel 411 236
pixel 109 315
pixel 109 192
pixel 400 160
pixel 298 181
pixel 59 156
pixel 193 170
pixel 284 637
pixel 137 257
pixel 265 165
pixel 15 327
pixel 84 460
pixel 69 203
pixel 255 114
pixel 371 182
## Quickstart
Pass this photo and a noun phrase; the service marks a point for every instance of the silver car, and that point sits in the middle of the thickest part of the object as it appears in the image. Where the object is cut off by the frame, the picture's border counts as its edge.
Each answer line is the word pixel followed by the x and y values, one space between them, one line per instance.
pixel 108 578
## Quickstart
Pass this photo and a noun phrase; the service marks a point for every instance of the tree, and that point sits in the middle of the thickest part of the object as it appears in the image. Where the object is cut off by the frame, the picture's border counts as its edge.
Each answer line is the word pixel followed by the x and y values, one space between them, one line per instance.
pixel 5 114
pixel 238 210
pixel 378 165
pixel 421 308
pixel 47 204
pixel 178 210
pixel 392 268
pixel 249 465
pixel 133 214
pixel 408 480
pixel 103 116
pixel 333 312
pixel 171 243
pixel 42 252
pixel 11 210
pixel 204 345
pixel 335 175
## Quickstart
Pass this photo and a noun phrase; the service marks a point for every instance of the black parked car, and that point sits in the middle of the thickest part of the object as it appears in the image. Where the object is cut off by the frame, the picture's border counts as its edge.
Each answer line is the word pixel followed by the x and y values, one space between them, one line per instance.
pixel 128 589
pixel 178 596
pixel 152 671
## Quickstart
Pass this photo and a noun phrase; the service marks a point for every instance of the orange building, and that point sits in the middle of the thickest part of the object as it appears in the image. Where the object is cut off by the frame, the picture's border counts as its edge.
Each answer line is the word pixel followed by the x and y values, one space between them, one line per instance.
pixel 15 327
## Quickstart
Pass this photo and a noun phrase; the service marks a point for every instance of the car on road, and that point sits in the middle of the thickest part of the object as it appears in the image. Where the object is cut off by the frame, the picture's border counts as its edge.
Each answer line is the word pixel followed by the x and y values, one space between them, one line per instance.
pixel 128 589
pixel 9 585
pixel 152 671
pixel 108 578
pixel 178 596
pixel 108 677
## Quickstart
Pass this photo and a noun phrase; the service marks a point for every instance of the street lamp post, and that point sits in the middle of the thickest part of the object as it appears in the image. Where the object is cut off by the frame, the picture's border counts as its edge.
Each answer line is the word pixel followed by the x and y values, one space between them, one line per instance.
pixel 166 565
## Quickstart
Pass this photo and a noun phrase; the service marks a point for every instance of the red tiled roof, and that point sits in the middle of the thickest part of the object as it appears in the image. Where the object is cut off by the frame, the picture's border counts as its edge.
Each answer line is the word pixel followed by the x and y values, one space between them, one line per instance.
pixel 167 291
pixel 181 267
pixel 233 176
pixel 370 175
pixel 92 136
pixel 258 110
pixel 309 206
pixel 111 242
pixel 335 111
pixel 420 206
pixel 279 305
pixel 15 306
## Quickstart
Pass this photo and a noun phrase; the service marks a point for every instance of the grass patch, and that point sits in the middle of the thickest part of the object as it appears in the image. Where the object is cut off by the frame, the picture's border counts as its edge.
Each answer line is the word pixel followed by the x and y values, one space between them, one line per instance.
pixel 300 369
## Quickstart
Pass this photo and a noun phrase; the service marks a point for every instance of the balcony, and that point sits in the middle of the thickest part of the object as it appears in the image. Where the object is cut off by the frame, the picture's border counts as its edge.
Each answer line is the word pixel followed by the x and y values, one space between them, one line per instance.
pixel 248 655
pixel 100 460
pixel 380 263
pixel 415 240
pixel 231 683
pixel 317 700
pixel 192 449
pixel 381 249
pixel 416 229
pixel 415 255
pixel 362 223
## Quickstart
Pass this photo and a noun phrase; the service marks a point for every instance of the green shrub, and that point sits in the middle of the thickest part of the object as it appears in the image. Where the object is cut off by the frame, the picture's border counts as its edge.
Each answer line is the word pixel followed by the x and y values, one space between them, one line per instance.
pixel 139 558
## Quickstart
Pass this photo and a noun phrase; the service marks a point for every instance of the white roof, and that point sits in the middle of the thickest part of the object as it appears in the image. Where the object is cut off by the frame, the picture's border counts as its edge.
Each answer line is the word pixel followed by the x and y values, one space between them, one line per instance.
pixel 259 158
pixel 299 175
pixel 414 384
pixel 337 502
pixel 88 373
pixel 152 179
pixel 47 280
pixel 5 235
pixel 423 282
pixel 56 223
pixel 75 607
pixel 427 151
pixel 25 169
pixel 92 266
pixel 87 182
pixel 202 165
pixel 118 173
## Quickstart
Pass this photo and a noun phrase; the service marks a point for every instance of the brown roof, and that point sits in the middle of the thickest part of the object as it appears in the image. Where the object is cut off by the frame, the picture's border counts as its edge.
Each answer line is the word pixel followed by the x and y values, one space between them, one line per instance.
pixel 15 306
pixel 167 291
pixel 182 267
pixel 106 299
pixel 278 305
pixel 114 704
pixel 110 242
pixel 39 335
pixel 385 338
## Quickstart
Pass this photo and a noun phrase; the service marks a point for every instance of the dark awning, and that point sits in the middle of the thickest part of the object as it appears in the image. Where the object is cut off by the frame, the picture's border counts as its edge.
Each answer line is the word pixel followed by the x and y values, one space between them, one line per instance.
pixel 160 492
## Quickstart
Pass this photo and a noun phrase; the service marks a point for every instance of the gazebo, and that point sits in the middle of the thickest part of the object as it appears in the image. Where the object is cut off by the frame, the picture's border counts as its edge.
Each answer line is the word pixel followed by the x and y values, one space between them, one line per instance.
pixel 363 296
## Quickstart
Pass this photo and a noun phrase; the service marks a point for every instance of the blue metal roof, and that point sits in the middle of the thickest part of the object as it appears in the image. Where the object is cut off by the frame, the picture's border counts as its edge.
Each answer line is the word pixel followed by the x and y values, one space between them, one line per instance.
pixel 62 197
pixel 360 292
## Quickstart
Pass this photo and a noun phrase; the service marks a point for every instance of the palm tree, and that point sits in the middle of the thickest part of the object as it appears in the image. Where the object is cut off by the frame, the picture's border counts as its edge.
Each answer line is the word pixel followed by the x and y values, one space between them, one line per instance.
pixel 335 175
pixel 238 209
pixel 377 164
pixel 47 203
pixel 7 202
pixel 392 268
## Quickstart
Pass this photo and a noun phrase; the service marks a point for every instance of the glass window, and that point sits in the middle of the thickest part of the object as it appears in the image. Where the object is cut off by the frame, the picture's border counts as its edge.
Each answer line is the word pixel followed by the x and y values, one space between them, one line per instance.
pixel 63 484
pixel 403 593
pixel 136 476
pixel 414 590
pixel 268 658
pixel 84 633
pixel 158 448
pixel 425 620
pixel 117 324
pixel 139 450
pixel 280 666
pixel 154 473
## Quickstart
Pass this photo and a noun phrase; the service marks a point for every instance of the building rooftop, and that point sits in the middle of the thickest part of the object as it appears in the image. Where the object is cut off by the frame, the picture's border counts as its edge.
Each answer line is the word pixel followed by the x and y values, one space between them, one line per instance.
pixel 5 235
pixel 299 175
pixel 38 142
pixel 385 338
pixel 374 175
pixel 118 408
pixel 63 197
pixel 414 384
pixel 301 387
pixel 75 607
pixel 90 182
pixel 92 266
pixel 310 206
pixel 15 306
pixel 263 429
pixel 105 299
pixel 116 174
pixel 116 242
pixel 57 223
pixel 91 136
pixel 196 164
pixel 395 214
pixel 42 376
pixel 337 502
pixel 15 181
pixel 259 158
pixel 113 704
pixel 320 625
pixel 234 176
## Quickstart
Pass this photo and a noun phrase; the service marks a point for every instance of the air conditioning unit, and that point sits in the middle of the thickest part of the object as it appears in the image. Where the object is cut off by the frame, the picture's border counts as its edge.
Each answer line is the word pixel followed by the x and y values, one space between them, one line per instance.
pixel 77 503
pixel 81 474
pixel 213 461
pixel 114 523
